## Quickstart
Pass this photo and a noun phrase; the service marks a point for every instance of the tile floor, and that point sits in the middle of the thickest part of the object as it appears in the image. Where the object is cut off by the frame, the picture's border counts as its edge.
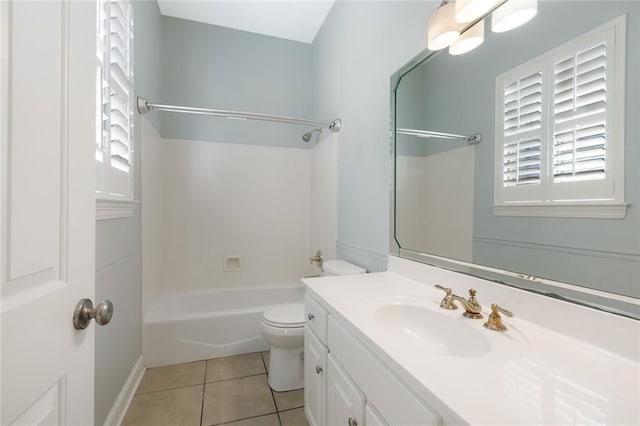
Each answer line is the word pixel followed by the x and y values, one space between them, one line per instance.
pixel 229 391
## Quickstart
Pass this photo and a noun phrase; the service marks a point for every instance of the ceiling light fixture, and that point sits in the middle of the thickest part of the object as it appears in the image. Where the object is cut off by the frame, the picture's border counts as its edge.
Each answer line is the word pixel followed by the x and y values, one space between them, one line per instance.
pixel 469 40
pixel 512 14
pixel 442 28
pixel 470 10
pixel 459 24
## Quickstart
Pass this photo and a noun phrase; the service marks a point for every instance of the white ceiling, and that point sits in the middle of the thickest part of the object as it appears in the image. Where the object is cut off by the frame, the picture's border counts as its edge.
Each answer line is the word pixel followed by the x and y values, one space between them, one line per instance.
pixel 298 20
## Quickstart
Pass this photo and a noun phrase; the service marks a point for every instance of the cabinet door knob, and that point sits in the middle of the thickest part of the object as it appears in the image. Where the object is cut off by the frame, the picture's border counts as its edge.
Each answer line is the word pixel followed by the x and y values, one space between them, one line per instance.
pixel 352 422
pixel 310 316
pixel 318 369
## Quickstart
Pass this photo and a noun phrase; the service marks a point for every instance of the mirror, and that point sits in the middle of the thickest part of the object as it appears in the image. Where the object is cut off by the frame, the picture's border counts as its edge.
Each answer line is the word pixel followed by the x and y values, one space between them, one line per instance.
pixel 443 192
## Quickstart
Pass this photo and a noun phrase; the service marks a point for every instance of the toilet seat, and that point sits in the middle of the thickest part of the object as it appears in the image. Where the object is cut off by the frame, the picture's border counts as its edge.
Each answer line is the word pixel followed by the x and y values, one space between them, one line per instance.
pixel 290 315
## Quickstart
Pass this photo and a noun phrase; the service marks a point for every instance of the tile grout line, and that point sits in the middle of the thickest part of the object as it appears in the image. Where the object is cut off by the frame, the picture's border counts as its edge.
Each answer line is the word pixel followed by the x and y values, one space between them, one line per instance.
pixel 273 397
pixel 243 419
pixel 236 378
pixel 167 389
pixel 204 387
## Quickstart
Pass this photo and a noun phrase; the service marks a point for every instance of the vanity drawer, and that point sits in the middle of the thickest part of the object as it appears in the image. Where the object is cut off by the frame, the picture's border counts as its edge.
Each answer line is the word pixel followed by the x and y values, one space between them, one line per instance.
pixel 316 317
pixel 395 403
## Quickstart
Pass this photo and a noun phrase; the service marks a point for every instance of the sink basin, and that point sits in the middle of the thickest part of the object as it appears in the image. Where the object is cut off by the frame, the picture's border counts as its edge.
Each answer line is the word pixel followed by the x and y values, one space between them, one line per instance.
pixel 433 331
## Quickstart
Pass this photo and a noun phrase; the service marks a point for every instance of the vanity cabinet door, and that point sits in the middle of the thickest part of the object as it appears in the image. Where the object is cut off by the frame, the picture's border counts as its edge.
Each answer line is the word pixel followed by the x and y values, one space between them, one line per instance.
pixel 345 402
pixel 316 318
pixel 315 371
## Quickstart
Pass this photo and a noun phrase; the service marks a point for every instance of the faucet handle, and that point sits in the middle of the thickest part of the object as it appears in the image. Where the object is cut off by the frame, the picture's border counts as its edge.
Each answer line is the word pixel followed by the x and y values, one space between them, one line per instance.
pixel 494 322
pixel 317 259
pixel 445 289
pixel 504 311
pixel 447 301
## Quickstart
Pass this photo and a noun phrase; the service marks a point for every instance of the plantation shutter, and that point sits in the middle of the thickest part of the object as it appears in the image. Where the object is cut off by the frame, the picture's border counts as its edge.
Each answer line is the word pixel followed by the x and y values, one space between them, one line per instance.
pixel 120 84
pixel 522 131
pixel 114 98
pixel 560 121
pixel 102 89
pixel 580 105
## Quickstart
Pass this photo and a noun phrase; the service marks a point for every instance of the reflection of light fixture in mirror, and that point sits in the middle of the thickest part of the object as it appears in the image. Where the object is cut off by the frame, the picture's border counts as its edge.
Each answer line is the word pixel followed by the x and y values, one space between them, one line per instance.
pixel 469 10
pixel 512 14
pixel 468 40
pixel 442 28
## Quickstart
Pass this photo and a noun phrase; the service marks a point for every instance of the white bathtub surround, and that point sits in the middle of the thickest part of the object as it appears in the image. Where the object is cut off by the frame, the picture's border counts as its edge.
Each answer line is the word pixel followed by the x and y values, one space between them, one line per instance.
pixel 191 326
pixel 557 362
pixel 207 200
pixel 437 203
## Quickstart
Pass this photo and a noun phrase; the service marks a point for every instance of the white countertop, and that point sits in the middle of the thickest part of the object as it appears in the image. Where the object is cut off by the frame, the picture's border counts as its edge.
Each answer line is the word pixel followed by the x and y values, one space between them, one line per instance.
pixel 530 374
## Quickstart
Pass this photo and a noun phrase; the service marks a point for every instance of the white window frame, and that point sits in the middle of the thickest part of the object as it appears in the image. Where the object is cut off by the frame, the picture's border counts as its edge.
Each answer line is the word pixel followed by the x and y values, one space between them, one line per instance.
pixel 591 199
pixel 114 187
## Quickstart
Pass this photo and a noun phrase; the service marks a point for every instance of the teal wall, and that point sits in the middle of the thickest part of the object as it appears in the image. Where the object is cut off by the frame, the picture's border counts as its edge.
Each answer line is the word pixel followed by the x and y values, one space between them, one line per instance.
pixel 215 67
pixel 118 242
pixel 359 47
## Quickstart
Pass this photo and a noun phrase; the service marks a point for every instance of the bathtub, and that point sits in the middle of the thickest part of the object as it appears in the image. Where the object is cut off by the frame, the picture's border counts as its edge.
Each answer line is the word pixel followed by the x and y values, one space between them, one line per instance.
pixel 192 326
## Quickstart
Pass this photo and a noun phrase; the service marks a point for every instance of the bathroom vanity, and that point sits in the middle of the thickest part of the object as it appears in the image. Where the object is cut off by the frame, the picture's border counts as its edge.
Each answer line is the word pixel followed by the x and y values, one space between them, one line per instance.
pixel 380 350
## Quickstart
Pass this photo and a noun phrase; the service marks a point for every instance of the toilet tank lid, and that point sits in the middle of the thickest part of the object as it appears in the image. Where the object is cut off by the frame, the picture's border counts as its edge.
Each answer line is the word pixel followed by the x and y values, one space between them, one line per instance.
pixel 341 267
pixel 289 314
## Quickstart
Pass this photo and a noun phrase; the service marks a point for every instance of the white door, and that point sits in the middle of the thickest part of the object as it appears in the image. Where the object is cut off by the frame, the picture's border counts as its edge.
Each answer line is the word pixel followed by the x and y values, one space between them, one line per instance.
pixel 47 216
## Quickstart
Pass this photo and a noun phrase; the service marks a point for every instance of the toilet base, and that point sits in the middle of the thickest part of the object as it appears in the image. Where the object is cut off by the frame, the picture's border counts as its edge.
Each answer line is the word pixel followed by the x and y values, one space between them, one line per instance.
pixel 286 369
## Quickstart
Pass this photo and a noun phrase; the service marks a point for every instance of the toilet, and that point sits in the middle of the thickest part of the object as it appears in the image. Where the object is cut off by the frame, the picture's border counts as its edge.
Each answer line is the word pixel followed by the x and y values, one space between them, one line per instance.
pixel 283 328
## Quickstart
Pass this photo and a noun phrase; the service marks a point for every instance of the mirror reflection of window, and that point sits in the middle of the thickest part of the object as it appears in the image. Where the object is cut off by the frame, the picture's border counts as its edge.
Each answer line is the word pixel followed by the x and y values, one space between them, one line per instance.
pixel 559 127
pixel 557 119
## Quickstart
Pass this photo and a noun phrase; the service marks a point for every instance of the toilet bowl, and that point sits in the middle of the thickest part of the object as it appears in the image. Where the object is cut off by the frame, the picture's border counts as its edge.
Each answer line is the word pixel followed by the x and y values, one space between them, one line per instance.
pixel 283 328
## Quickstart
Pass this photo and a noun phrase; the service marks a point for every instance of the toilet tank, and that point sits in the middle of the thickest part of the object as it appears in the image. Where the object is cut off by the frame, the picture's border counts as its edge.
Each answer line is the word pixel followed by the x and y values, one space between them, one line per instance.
pixel 341 267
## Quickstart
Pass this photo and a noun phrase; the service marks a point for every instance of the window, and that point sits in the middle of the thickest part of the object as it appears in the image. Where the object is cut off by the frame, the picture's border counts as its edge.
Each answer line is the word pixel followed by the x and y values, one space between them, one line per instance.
pixel 114 100
pixel 560 130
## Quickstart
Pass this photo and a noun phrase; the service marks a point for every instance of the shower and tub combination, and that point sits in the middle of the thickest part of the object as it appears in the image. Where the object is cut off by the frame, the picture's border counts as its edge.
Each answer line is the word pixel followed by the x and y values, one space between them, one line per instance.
pixel 191 326
pixel 235 318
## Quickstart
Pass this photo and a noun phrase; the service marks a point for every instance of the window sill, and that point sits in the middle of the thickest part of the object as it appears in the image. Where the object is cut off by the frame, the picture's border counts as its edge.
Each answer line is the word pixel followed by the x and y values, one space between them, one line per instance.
pixel 113 208
pixel 583 210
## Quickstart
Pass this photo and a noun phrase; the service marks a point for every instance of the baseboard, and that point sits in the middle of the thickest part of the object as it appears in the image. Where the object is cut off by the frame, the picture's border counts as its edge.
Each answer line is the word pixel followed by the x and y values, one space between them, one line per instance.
pixel 121 405
pixel 372 260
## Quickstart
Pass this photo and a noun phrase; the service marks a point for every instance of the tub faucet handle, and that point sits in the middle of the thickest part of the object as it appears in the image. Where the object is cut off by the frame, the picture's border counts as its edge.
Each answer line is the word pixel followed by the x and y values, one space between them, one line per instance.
pixel 317 259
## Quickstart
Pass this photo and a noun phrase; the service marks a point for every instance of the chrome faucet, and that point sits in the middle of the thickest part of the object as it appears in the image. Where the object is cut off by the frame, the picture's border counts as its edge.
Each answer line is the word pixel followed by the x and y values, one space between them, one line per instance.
pixel 472 308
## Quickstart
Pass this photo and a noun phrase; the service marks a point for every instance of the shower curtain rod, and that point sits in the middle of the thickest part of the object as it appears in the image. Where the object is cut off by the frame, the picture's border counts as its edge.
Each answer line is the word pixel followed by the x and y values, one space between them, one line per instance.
pixel 145 106
pixel 471 140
